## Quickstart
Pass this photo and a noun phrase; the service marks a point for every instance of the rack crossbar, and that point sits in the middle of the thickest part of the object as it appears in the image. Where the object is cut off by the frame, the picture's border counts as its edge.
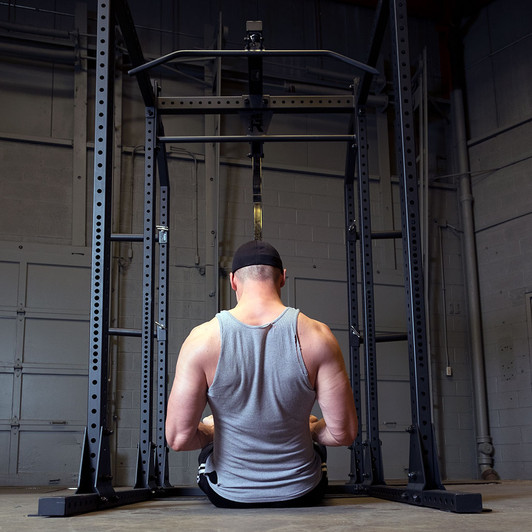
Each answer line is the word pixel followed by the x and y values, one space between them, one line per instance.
pixel 238 104
pixel 258 138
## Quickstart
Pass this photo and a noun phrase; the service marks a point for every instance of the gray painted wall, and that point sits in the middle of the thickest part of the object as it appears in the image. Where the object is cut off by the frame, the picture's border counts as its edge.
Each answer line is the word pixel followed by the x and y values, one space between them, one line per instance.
pixel 43 193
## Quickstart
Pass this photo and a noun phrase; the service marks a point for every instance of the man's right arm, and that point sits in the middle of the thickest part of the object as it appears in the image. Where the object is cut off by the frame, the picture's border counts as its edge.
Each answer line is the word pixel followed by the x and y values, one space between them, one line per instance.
pixel 188 397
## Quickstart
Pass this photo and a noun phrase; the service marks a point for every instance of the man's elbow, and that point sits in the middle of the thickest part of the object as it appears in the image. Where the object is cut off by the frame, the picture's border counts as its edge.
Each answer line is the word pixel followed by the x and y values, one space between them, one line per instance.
pixel 175 444
pixel 351 434
pixel 180 444
pixel 177 441
pixel 345 439
pixel 353 430
pixel 347 435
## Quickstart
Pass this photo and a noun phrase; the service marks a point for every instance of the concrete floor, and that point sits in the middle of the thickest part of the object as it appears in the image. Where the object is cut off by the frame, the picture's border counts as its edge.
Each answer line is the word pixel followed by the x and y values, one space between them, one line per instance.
pixel 507 505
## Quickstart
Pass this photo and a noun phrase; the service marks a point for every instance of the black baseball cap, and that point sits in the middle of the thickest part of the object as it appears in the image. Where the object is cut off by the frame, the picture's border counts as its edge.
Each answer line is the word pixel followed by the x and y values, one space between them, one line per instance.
pixel 256 252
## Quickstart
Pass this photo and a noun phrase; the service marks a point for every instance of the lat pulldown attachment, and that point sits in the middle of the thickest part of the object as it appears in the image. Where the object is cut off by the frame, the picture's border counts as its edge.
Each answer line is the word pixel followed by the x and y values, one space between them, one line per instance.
pixel 254 41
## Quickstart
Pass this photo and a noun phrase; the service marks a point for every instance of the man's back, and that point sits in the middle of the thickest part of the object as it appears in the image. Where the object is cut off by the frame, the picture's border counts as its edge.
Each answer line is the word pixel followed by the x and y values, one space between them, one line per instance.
pixel 261 399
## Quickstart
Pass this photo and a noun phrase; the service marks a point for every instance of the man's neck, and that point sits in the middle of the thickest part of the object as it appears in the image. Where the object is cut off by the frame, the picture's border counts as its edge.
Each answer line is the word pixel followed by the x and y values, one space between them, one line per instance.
pixel 258 304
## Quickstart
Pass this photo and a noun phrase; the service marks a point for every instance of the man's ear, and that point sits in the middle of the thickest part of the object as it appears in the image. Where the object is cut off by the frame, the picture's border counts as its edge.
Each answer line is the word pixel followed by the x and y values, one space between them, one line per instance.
pixel 283 278
pixel 232 280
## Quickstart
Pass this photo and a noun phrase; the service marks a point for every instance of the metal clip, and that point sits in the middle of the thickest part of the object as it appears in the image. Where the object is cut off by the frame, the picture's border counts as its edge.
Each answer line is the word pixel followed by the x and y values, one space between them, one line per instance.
pixel 355 332
pixel 161 332
pixel 163 234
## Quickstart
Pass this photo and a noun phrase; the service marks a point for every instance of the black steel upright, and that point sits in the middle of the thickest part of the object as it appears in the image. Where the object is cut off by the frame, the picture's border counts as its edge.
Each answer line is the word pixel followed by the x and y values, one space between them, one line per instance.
pixel 145 477
pixel 366 454
pixel 95 469
pixel 161 462
pixel 356 473
pixel 373 470
pixel 134 50
pixel 95 488
pixel 424 472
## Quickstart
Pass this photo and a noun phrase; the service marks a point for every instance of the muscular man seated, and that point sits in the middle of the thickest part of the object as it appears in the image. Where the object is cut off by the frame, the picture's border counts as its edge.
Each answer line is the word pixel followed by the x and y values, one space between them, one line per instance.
pixel 260 366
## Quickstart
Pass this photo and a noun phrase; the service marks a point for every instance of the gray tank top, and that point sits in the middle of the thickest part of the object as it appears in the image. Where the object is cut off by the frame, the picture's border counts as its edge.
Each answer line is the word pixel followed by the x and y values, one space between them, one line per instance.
pixel 261 399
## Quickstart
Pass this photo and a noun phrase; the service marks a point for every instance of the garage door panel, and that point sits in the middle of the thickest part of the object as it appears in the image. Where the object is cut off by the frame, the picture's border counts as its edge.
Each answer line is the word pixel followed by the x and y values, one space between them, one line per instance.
pixel 9 275
pixel 326 300
pixel 55 287
pixel 392 360
pixel 5 438
pixel 331 295
pixel 6 395
pixel 395 454
pixel 44 328
pixel 390 308
pixel 338 463
pixel 8 334
pixel 56 341
pixel 35 456
pixel 54 398
pixel 394 404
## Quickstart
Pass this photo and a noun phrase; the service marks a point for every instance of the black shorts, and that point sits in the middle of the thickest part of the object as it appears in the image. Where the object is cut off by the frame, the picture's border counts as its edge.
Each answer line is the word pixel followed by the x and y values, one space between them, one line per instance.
pixel 312 498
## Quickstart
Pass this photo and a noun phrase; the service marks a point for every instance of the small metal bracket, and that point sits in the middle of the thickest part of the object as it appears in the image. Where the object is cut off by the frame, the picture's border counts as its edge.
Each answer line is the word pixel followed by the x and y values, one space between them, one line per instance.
pixel 162 234
pixel 254 39
pixel 355 332
pixel 161 332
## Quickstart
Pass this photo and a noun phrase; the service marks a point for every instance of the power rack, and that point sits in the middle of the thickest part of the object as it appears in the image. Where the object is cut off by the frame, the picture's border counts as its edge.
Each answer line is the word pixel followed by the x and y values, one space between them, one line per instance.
pixel 95 488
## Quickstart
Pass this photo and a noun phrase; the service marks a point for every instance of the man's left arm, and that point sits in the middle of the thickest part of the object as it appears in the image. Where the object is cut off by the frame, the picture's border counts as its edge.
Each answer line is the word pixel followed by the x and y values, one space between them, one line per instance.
pixel 339 424
pixel 188 397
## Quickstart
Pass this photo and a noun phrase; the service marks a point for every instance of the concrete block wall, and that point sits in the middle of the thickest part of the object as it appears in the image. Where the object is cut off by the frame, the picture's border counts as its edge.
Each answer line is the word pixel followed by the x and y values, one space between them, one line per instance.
pixel 448 340
pixel 303 215
pixel 500 117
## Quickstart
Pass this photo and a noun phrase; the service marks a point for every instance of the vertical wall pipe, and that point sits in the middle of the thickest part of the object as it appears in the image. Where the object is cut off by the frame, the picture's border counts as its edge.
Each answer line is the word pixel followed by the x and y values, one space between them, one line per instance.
pixel 456 57
pixel 484 442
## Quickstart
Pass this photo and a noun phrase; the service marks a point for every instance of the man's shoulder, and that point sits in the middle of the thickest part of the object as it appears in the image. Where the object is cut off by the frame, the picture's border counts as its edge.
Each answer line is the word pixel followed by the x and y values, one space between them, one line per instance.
pixel 207 327
pixel 319 346
pixel 309 325
pixel 314 333
pixel 204 338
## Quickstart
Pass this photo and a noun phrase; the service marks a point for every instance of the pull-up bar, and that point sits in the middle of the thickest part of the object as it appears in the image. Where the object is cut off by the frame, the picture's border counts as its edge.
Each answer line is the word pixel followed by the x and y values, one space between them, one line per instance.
pixel 209 54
